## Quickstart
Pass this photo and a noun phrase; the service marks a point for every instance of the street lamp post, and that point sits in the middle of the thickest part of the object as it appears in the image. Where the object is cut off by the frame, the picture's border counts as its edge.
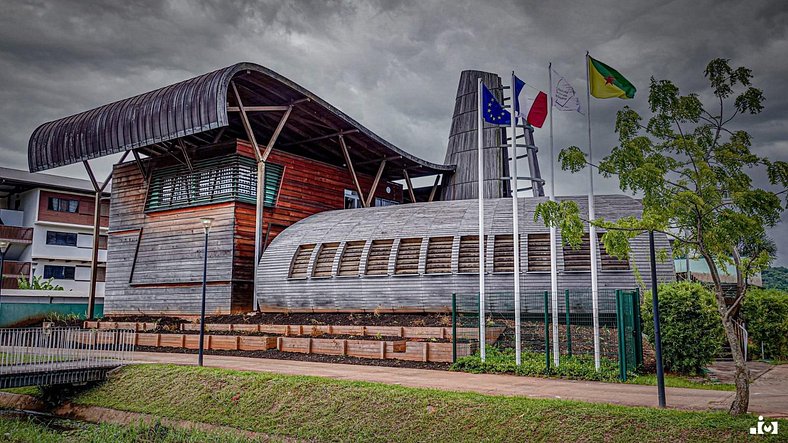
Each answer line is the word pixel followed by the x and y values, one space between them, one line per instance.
pixel 4 245
pixel 206 224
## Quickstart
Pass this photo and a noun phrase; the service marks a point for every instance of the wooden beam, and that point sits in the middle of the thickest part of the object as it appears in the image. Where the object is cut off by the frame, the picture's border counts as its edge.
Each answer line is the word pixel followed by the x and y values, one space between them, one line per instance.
pixel 247 125
pixel 185 155
pixel 352 170
pixel 257 108
pixel 276 133
pixel 322 137
pixel 139 164
pixel 434 188
pixel 410 186
pixel 219 135
pixel 389 158
pixel 375 183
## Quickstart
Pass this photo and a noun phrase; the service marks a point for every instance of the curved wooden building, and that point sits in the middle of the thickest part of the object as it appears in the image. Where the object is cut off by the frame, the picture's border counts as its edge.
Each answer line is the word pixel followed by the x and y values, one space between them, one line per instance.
pixel 414 257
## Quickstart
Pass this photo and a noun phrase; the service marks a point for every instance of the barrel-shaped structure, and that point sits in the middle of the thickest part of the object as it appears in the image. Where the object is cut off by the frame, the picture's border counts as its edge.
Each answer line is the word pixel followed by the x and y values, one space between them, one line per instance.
pixel 413 257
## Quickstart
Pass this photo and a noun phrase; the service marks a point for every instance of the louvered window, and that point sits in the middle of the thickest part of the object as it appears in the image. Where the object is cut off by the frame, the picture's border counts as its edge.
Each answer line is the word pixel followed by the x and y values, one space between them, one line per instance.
pixel 301 261
pixel 578 259
pixel 503 254
pixel 469 254
pixel 325 260
pixel 407 262
pixel 610 263
pixel 439 255
pixel 351 257
pixel 378 257
pixel 538 252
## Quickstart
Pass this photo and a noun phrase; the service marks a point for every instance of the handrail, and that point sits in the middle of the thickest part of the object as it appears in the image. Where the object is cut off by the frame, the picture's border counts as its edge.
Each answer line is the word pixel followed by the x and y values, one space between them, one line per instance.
pixel 742 335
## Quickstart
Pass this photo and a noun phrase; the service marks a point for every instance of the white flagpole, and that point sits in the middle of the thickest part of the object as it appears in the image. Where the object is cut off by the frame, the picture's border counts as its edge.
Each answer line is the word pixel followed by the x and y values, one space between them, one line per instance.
pixel 515 228
pixel 591 228
pixel 553 234
pixel 480 131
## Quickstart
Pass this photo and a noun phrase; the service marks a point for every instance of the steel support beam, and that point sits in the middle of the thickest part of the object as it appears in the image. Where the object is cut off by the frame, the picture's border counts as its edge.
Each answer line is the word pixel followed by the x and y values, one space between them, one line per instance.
pixel 322 137
pixel 434 188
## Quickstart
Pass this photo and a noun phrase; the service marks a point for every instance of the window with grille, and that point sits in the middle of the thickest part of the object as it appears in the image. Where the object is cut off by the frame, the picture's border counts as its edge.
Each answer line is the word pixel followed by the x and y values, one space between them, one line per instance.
pixel 439 255
pixel 378 257
pixel 610 263
pixel 351 258
pixel 325 260
pixel 469 254
pixel 503 254
pixel 538 252
pixel 407 262
pixel 228 178
pixel 301 261
pixel 578 259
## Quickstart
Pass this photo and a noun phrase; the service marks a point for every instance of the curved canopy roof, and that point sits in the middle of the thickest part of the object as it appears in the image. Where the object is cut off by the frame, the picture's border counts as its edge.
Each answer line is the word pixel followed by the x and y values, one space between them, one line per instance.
pixel 196 111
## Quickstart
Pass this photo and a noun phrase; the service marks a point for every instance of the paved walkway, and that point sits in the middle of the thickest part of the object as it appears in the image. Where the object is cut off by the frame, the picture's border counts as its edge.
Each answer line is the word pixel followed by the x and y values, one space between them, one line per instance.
pixel 769 393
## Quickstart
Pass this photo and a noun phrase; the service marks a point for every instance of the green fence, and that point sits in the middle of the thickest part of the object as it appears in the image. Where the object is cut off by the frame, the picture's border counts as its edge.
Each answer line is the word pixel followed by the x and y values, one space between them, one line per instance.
pixel 620 335
pixel 12 314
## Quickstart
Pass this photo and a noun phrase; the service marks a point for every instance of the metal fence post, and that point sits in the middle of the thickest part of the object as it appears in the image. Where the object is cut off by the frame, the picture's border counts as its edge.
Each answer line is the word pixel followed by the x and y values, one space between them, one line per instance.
pixel 638 328
pixel 546 332
pixel 622 358
pixel 568 324
pixel 453 328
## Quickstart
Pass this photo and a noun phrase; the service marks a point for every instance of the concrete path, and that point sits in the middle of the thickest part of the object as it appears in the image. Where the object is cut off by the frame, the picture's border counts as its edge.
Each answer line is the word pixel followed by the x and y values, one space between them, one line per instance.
pixel 493 384
pixel 769 393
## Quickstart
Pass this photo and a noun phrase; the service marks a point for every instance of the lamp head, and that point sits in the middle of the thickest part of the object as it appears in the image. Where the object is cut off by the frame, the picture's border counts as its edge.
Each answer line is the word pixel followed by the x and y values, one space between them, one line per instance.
pixel 206 223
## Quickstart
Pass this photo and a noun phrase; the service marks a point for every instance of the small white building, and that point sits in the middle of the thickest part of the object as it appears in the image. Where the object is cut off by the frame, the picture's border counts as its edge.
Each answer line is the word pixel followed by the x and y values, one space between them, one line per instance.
pixel 49 221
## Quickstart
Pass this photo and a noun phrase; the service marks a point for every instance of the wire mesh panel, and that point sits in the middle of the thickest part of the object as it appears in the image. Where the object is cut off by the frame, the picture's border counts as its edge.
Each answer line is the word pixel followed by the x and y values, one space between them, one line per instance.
pixel 47 356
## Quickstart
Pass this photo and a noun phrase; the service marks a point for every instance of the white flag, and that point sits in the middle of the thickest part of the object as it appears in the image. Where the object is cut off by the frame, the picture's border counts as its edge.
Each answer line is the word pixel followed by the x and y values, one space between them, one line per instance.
pixel 564 95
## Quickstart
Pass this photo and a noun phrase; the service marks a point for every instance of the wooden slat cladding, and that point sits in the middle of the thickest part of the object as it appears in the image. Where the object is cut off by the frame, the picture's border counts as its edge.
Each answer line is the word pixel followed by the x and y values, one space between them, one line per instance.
pixel 538 252
pixel 301 261
pixel 325 260
pixel 407 262
pixel 578 259
pixel 378 257
pixel 468 262
pixel 610 263
pixel 503 254
pixel 351 258
pixel 439 255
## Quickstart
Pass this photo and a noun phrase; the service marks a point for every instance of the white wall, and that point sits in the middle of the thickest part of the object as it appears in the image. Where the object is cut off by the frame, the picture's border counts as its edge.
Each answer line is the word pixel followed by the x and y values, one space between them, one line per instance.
pixel 81 282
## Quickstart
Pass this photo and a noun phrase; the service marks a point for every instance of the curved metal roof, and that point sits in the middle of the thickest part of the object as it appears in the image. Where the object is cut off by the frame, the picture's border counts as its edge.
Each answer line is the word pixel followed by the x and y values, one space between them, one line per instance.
pixel 192 107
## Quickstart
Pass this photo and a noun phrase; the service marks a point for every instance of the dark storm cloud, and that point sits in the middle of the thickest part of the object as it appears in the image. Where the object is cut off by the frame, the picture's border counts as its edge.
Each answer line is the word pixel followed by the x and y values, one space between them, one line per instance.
pixel 391 65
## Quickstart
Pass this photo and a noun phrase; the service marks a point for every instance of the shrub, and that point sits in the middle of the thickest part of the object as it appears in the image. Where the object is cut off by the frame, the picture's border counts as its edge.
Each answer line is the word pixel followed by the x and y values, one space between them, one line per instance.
pixel 499 361
pixel 765 312
pixel 690 326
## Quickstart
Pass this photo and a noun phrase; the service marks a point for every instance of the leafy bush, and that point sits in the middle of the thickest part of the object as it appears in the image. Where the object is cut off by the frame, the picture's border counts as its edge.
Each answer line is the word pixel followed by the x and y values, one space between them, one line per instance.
pixel 690 324
pixel 765 313
pixel 533 364
pixel 38 283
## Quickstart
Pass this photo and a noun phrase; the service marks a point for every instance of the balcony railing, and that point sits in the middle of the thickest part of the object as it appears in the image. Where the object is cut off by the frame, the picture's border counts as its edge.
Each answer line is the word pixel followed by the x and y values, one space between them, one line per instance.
pixel 12 270
pixel 16 234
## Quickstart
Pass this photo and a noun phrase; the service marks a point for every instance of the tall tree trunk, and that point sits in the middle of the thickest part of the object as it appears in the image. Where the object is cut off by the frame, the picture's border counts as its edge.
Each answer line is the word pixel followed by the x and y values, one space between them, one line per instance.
pixel 741 400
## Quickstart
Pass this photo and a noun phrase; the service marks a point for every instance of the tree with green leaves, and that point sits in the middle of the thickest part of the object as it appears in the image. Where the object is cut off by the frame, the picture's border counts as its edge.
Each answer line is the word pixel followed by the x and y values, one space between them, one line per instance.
pixel 694 173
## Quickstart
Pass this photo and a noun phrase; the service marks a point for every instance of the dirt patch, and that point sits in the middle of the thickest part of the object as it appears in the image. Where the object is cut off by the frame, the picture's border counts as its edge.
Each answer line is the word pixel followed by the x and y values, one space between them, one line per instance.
pixel 339 319
pixel 279 355
pixel 318 334
pixel 163 324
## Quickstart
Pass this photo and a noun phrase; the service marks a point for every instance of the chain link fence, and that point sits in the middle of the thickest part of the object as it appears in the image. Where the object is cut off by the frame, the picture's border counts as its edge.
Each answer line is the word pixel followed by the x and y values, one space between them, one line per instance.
pixel 619 322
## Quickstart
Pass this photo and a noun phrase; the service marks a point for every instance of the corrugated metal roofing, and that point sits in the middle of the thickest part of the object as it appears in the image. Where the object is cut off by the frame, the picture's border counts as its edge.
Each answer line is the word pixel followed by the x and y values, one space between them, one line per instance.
pixel 190 107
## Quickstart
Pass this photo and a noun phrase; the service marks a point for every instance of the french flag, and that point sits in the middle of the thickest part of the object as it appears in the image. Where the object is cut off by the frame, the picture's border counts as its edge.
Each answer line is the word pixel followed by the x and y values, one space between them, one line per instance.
pixel 536 105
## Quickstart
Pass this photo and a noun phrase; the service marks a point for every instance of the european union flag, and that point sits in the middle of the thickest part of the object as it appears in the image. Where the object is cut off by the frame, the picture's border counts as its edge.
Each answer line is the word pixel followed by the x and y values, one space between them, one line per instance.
pixel 492 111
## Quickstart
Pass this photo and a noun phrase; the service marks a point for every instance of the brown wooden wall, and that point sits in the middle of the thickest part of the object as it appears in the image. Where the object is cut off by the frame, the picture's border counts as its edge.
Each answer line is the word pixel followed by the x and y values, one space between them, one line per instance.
pixel 168 245
pixel 83 216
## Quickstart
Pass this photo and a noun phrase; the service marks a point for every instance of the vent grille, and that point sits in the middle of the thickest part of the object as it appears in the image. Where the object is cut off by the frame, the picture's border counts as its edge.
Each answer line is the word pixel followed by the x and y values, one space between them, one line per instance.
pixel 469 254
pixel 439 255
pixel 538 252
pixel 301 261
pixel 325 260
pixel 378 257
pixel 578 259
pixel 503 254
pixel 351 258
pixel 408 256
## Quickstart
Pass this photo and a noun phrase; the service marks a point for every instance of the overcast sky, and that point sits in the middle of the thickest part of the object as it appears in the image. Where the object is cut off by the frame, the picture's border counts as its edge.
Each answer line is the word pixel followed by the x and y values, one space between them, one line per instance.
pixel 391 65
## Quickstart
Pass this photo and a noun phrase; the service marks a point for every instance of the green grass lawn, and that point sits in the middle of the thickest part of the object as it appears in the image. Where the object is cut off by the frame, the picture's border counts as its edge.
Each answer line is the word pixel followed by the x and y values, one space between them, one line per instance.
pixel 678 381
pixel 30 430
pixel 329 410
